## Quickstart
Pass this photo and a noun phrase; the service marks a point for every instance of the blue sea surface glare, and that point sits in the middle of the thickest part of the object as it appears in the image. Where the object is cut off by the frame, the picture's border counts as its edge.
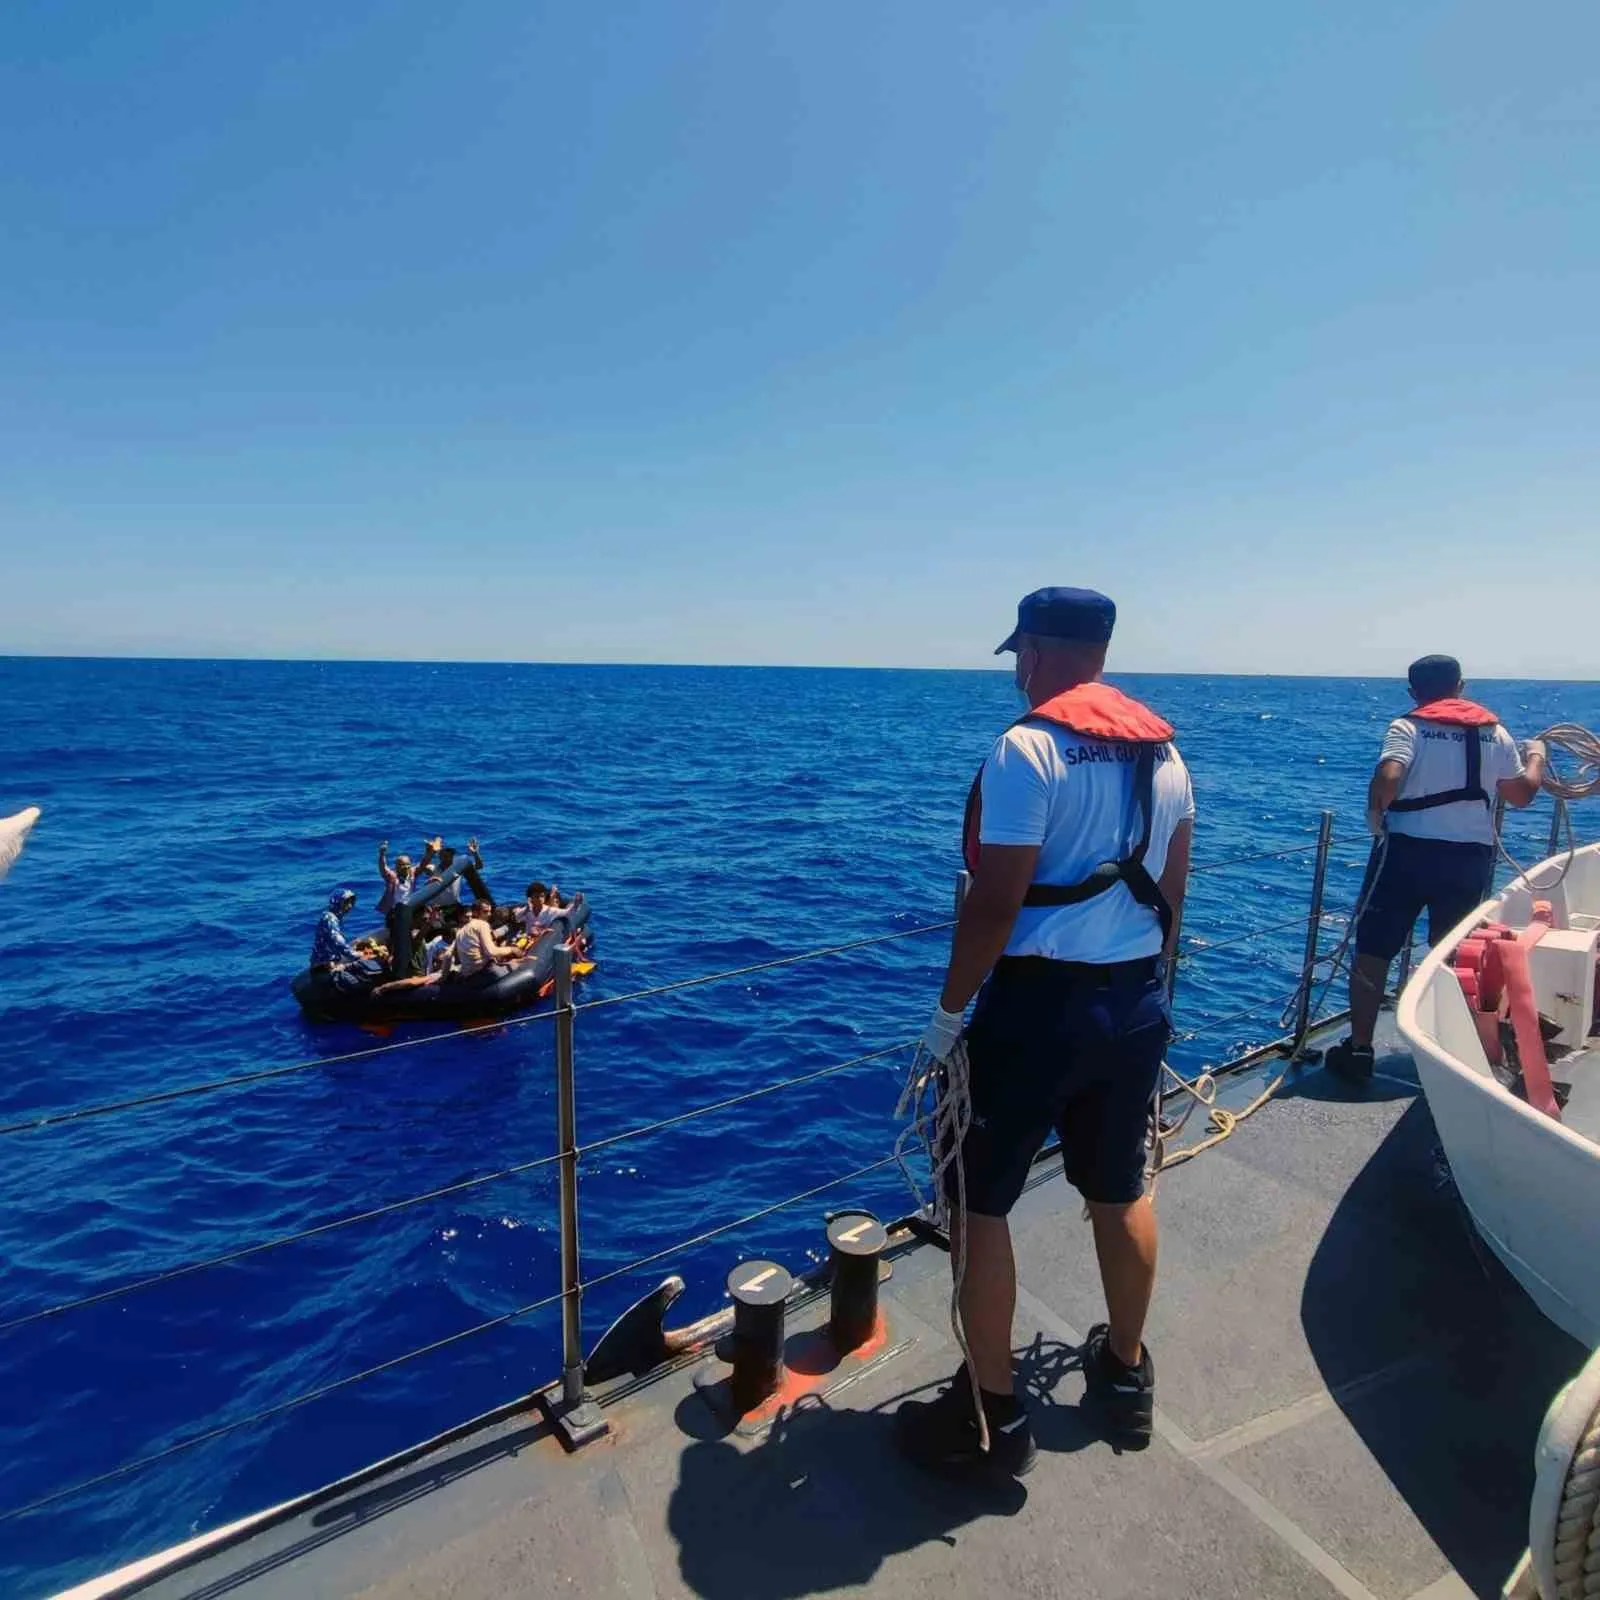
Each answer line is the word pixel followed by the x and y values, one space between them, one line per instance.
pixel 196 817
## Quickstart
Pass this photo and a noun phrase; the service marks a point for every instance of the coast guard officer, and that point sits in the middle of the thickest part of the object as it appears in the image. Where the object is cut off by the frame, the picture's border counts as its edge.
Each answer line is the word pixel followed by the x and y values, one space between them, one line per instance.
pixel 1429 802
pixel 1078 839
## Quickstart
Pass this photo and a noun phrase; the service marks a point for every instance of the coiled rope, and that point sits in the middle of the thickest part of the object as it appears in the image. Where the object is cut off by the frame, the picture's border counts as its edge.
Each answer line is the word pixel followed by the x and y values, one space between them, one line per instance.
pixel 1584 747
pixel 936 1104
pixel 1577 1544
pixel 1564 1516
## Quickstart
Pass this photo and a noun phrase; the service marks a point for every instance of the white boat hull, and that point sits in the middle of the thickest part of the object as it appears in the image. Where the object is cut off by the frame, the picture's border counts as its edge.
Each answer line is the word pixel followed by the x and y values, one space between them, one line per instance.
pixel 1530 1183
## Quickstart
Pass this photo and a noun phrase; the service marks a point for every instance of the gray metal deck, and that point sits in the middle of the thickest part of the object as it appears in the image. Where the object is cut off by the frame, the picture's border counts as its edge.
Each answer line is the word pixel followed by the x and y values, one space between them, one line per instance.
pixel 1349 1393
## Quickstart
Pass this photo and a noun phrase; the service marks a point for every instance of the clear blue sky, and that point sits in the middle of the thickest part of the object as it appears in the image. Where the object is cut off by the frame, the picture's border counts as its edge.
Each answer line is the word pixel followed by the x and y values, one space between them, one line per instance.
pixel 802 332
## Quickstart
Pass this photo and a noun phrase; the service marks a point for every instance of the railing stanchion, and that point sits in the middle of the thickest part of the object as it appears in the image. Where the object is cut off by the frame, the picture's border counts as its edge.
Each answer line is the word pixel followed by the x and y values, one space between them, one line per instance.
pixel 1403 976
pixel 1308 967
pixel 567 1145
pixel 571 1410
pixel 1494 855
pixel 1555 829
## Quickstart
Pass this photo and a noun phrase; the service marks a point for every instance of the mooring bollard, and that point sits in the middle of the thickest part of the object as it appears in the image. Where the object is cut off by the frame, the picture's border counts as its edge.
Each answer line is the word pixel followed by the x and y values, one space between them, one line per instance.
pixel 760 1290
pixel 855 1241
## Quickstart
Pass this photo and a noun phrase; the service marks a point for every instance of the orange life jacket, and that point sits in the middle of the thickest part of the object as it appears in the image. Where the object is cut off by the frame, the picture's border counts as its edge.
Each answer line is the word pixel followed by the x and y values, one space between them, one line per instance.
pixel 1097 711
pixel 1454 713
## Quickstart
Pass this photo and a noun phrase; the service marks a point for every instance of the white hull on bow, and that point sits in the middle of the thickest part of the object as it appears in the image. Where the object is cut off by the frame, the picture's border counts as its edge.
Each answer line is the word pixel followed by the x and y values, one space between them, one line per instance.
pixel 1530 1181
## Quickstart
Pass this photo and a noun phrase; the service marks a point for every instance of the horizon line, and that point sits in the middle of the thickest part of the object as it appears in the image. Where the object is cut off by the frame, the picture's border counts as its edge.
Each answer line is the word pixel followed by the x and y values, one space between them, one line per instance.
pixel 713 666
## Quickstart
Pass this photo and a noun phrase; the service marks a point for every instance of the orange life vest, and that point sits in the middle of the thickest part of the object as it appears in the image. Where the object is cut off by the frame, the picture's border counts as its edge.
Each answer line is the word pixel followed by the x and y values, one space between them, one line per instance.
pixel 1454 713
pixel 1097 711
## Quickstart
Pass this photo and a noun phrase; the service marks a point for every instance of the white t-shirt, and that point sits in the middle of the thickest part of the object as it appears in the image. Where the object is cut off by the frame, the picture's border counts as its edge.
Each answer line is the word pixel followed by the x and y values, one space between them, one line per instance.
pixel 532 921
pixel 1435 759
pixel 1073 796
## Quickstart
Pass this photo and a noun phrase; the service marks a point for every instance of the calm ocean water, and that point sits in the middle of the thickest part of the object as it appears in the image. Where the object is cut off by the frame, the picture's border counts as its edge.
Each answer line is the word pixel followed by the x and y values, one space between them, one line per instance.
pixel 196 816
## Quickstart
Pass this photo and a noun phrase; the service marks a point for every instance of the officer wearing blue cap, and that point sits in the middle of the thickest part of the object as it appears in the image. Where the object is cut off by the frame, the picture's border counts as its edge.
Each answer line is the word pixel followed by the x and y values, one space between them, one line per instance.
pixel 1078 835
pixel 1429 805
pixel 1079 616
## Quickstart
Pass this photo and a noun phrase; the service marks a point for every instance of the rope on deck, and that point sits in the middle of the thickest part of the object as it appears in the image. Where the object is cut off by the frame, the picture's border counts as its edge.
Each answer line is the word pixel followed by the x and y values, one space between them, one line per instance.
pixel 936 1104
pixel 1202 1092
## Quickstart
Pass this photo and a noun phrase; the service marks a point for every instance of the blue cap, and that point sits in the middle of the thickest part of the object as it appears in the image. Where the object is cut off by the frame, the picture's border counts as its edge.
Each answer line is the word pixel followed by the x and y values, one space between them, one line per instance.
pixel 341 899
pixel 1434 677
pixel 1077 616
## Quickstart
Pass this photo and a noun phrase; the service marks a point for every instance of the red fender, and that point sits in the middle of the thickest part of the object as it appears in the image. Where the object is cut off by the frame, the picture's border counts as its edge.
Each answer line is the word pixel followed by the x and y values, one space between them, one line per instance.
pixel 1496 977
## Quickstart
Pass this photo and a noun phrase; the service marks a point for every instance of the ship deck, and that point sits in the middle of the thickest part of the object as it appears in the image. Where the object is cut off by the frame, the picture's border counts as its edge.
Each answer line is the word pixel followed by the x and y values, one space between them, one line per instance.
pixel 1349 1390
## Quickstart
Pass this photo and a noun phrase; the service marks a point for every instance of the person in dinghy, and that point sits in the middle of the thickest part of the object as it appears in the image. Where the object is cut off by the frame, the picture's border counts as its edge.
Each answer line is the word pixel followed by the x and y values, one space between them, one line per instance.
pixel 1431 806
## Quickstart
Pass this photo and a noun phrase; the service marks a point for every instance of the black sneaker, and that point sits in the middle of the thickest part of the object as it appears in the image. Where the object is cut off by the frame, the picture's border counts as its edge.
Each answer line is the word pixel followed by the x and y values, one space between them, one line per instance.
pixel 1351 1061
pixel 1122 1399
pixel 944 1432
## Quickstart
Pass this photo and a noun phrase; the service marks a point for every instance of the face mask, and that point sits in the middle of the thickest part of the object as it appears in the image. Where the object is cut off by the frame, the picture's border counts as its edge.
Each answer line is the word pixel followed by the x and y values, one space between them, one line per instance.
pixel 1020 684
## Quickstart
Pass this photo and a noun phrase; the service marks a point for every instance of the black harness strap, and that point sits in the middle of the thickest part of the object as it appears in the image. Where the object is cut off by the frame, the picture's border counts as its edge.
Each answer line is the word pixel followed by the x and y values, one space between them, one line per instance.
pixel 1130 871
pixel 1472 789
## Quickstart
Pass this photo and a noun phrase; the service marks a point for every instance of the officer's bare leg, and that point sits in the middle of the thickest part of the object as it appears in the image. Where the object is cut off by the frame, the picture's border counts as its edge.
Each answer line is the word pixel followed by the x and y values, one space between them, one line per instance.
pixel 1368 979
pixel 988 1296
pixel 1125 1242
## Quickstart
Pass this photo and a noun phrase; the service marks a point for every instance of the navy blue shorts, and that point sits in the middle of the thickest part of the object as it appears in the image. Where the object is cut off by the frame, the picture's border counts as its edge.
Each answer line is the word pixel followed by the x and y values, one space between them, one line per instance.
pixel 1063 1047
pixel 1446 877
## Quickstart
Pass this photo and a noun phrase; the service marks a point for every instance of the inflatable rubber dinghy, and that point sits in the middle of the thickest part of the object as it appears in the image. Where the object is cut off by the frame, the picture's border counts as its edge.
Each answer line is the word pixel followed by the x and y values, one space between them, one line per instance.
pixel 13 835
pixel 497 993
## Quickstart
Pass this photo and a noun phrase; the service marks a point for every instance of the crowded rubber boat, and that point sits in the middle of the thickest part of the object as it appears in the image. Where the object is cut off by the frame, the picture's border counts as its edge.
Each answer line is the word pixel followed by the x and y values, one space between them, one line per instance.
pixel 446 949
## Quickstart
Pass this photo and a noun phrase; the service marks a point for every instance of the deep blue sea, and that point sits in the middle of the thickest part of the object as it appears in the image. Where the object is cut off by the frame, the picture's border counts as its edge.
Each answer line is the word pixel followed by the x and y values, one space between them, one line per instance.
pixel 196 816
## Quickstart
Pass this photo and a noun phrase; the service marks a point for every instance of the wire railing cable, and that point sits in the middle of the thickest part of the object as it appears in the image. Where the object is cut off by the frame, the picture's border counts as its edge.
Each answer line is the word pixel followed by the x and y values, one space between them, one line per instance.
pixel 1260 855
pixel 1239 938
pixel 736 1100
pixel 761 966
pixel 245 1252
pixel 56 1119
pixel 731 1227
pixel 179 1446
pixel 295 1401
pixel 1237 1016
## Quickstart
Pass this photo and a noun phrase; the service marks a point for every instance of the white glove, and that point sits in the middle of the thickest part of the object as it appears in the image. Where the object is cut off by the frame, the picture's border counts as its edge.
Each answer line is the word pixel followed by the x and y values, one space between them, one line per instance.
pixel 943 1033
pixel 1535 747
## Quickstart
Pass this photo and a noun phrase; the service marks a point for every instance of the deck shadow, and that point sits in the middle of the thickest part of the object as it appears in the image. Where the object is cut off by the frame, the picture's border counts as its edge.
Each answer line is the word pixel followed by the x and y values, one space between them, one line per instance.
pixel 1058 1425
pixel 821 1505
pixel 1399 1272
